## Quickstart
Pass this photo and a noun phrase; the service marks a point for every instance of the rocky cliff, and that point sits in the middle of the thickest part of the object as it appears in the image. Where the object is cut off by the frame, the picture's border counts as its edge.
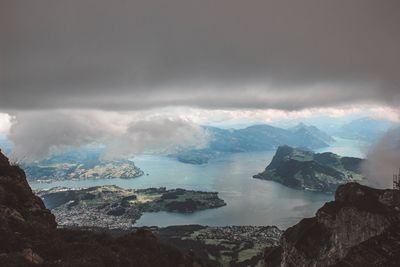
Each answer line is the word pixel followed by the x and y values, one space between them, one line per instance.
pixel 361 227
pixel 29 237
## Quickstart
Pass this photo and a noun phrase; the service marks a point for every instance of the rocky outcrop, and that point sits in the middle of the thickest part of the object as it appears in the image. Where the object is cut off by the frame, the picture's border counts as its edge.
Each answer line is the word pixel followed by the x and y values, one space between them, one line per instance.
pixel 29 236
pixel 360 228
pixel 23 216
pixel 306 170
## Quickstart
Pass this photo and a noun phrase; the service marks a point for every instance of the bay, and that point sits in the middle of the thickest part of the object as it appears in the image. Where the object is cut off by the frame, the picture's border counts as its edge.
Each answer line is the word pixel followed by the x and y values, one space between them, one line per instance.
pixel 249 201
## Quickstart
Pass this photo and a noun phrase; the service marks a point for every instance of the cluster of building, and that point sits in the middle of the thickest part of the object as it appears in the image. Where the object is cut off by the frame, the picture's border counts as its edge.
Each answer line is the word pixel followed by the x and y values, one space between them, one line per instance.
pixel 80 216
pixel 67 171
pixel 254 234
pixel 123 169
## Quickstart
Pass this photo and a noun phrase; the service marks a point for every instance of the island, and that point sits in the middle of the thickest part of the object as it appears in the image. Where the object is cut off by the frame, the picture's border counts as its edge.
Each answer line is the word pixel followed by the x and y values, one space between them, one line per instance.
pixel 306 170
pixel 114 207
pixel 196 156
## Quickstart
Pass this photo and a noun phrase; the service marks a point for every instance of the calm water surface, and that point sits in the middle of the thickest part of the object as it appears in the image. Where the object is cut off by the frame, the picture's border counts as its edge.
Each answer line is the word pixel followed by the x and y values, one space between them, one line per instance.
pixel 249 201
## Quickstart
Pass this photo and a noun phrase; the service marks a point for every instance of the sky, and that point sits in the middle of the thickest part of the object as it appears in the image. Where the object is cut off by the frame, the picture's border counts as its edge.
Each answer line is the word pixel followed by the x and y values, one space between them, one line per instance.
pixel 81 71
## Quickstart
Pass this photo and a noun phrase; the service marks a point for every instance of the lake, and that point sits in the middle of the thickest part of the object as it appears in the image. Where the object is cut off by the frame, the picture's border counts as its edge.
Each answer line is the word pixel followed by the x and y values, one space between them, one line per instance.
pixel 249 201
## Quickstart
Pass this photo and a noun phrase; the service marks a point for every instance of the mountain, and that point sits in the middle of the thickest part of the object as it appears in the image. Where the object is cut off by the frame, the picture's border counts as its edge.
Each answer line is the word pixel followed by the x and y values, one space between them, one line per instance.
pixel 29 236
pixel 254 138
pixel 303 129
pixel 303 169
pixel 361 227
pixel 261 137
pixel 364 129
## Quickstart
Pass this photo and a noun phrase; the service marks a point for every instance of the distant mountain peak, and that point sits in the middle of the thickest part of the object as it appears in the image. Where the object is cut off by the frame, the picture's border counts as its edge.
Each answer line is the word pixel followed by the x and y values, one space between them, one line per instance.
pixel 365 129
pixel 300 124
pixel 314 131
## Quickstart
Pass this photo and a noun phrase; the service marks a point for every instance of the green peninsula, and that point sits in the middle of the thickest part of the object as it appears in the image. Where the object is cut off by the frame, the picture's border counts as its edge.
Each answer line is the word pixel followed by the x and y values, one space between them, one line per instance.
pixel 306 170
pixel 115 207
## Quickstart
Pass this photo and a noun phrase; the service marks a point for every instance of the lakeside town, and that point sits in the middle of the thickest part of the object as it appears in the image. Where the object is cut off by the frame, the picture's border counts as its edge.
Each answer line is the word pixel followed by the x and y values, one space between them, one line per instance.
pixel 114 207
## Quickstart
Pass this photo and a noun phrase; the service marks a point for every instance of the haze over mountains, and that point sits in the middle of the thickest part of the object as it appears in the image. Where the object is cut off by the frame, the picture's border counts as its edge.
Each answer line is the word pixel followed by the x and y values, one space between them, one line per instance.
pixel 90 163
pixel 255 138
pixel 365 129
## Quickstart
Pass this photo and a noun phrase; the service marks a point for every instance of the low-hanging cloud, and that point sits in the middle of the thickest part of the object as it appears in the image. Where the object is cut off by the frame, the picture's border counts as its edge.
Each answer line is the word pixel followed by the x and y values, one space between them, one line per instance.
pixel 140 54
pixel 36 135
pixel 160 135
pixel 126 55
pixel 383 160
pixel 5 123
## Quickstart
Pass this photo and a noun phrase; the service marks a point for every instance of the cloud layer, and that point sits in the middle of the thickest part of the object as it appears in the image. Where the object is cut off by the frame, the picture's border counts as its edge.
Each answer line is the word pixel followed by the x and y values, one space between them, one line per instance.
pixel 384 160
pixel 159 135
pixel 212 54
pixel 36 135
pixel 233 55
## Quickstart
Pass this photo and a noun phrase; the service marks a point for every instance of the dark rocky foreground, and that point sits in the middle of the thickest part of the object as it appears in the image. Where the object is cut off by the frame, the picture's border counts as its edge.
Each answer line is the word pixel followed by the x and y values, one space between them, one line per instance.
pixel 360 228
pixel 29 237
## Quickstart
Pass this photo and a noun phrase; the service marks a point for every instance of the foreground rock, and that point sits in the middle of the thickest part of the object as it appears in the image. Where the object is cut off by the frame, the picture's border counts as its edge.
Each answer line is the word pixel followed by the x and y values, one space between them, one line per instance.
pixel 29 236
pixel 360 228
pixel 115 207
pixel 302 169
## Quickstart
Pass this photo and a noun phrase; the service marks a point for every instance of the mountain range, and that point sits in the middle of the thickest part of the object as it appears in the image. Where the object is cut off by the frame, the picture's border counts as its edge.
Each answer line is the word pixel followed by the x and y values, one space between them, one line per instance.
pixel 364 129
pixel 260 137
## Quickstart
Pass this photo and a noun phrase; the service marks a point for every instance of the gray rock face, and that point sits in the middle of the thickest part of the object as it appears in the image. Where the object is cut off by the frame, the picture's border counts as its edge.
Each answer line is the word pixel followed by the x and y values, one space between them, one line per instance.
pixel 342 230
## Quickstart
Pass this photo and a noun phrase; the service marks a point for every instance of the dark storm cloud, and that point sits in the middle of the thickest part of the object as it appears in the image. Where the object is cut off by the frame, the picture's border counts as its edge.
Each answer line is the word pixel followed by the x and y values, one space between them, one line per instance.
pixel 213 54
